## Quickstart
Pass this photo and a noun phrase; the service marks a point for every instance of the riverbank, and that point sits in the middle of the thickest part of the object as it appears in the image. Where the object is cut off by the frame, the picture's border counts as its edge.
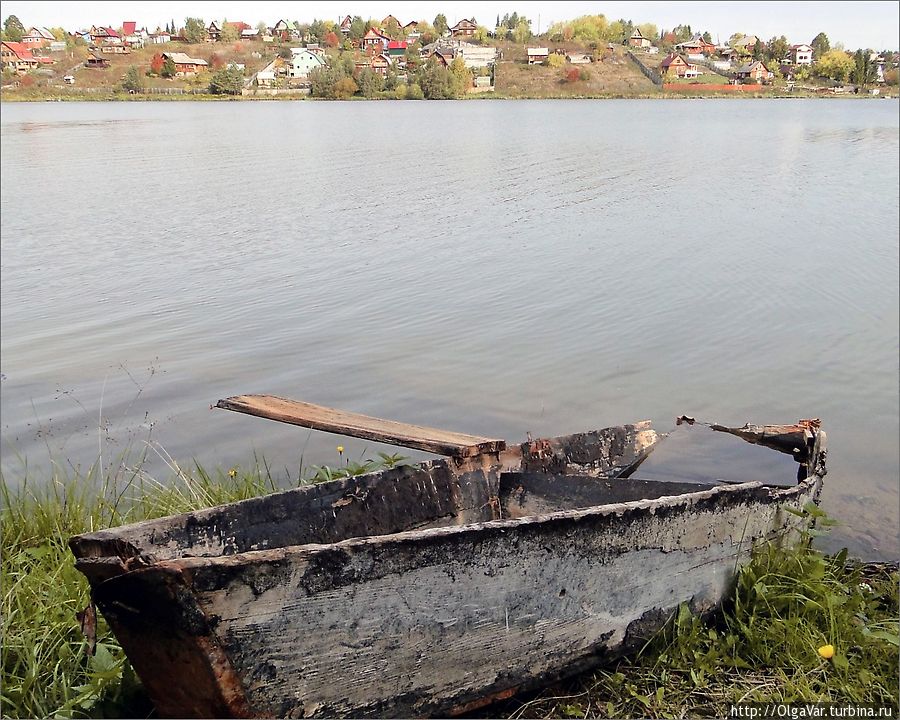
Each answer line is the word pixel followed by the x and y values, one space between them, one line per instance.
pixel 800 627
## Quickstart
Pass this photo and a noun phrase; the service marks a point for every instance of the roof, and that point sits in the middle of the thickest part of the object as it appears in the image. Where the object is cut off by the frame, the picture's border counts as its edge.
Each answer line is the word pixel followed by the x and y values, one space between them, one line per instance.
pixel 748 66
pixel 128 27
pixel 749 40
pixel 538 51
pixel 801 46
pixel 464 23
pixel 397 45
pixel 637 34
pixel 375 32
pixel 21 50
pixel 671 59
pixel 180 58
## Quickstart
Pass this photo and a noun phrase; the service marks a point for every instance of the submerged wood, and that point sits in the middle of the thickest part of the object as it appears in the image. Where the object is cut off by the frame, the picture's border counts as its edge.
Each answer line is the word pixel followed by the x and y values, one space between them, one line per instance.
pixel 426 590
pixel 318 417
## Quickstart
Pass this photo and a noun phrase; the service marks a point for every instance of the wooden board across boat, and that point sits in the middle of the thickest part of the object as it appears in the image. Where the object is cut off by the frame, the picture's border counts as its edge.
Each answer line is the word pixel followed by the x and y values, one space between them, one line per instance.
pixel 437 588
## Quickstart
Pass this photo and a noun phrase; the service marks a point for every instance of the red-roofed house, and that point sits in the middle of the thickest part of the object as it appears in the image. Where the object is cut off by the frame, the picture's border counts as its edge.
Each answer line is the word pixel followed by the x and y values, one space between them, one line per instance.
pixel 375 37
pixel 17 57
pixel 396 48
pixel 128 27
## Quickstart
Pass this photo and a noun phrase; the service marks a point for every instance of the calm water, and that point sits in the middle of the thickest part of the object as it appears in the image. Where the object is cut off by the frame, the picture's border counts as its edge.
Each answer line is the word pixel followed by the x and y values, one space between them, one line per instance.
pixel 491 267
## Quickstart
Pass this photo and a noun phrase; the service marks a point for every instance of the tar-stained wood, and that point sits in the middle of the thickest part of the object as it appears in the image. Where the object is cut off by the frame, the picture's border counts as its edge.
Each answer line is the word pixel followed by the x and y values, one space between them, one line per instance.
pixel 318 417
pixel 436 617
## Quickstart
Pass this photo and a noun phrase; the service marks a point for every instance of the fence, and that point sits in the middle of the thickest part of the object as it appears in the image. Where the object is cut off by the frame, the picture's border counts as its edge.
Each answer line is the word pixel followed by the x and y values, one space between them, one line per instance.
pixel 652 75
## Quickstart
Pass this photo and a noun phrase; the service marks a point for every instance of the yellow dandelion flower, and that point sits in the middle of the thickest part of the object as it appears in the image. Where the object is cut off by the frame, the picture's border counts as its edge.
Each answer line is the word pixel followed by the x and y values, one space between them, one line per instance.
pixel 827 651
pixel 232 473
pixel 340 449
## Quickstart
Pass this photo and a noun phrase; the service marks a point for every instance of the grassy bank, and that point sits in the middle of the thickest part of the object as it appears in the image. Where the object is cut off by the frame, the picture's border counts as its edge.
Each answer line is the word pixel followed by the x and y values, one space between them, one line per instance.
pixel 765 645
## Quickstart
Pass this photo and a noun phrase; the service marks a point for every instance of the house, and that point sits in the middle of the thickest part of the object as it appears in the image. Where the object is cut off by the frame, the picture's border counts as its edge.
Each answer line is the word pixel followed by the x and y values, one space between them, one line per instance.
pixel 136 38
pixel 17 56
pixel 380 64
pixel 100 35
pixel 160 38
pixel 38 37
pixel 69 79
pixel 411 30
pixel 344 25
pixel 238 26
pixel 800 55
pixel 282 30
pixel 375 37
pixel 746 45
pixel 249 34
pixel 57 46
pixel 674 64
pixel 390 19
pixel 696 46
pixel 303 62
pixel 444 56
pixel 637 40
pixel 185 65
pixel 578 58
pixel 96 61
pixel 114 49
pixel 753 72
pixel 537 55
pixel 265 78
pixel 396 49
pixel 464 28
pixel 129 27
pixel 213 33
pixel 476 56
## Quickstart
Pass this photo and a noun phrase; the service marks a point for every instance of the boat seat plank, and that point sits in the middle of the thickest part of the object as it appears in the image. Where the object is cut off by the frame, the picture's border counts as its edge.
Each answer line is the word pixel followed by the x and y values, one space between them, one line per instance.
pixel 319 417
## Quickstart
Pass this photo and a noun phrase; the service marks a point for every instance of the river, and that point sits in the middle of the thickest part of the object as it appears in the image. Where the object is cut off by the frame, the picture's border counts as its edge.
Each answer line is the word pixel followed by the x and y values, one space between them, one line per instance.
pixel 493 267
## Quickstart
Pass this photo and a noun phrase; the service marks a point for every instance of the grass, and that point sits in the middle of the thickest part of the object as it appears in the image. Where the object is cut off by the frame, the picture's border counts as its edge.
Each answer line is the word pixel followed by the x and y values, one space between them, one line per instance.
pixel 762 646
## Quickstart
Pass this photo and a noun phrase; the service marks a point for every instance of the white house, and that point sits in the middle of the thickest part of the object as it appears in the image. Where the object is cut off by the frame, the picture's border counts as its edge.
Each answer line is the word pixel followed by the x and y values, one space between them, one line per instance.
pixel 265 78
pixel 303 62
pixel 537 55
pixel 801 55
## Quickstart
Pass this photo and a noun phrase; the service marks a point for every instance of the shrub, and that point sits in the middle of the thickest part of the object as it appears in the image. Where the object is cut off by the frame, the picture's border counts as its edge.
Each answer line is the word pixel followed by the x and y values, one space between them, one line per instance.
pixel 414 92
pixel 572 75
pixel 345 88
pixel 555 60
pixel 584 74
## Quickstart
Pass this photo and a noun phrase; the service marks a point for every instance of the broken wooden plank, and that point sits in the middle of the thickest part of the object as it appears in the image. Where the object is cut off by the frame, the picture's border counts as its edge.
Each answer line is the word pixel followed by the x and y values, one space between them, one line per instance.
pixel 319 417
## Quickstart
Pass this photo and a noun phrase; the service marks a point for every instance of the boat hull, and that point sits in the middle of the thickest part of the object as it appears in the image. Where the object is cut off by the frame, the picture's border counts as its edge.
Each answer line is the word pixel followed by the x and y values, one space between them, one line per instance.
pixel 437 620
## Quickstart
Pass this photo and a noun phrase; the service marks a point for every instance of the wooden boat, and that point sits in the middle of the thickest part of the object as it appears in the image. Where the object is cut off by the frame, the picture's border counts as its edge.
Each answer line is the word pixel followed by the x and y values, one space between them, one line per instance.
pixel 440 587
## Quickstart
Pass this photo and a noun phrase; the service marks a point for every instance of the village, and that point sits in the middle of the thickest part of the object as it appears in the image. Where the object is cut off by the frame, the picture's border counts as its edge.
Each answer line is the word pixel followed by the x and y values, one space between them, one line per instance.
pixel 350 56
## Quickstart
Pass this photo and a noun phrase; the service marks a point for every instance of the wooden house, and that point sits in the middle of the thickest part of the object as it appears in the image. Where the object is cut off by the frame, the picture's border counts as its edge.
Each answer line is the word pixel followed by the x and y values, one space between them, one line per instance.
pixel 537 55
pixel 345 25
pixel 185 65
pixel 464 28
pixel 17 57
pixel 38 37
pixel 213 33
pixel 753 72
pixel 375 37
pixel 637 40
pixel 380 64
pixel 411 30
pixel 578 58
pixel 674 64
pixel 96 61
pixel 396 49
pixel 282 30
pixel 696 46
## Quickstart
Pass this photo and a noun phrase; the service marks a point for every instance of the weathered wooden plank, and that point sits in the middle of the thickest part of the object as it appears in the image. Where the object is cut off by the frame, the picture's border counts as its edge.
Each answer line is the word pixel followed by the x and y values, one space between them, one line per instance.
pixel 319 417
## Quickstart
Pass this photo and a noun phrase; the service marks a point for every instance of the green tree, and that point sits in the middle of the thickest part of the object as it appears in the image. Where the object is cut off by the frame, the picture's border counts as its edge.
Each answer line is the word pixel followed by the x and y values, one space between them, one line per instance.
pixel 228 81
pixel 262 29
pixel 706 37
pixel 13 29
pixel 345 88
pixel 435 81
pixel 318 30
pixel 649 31
pixel 391 80
pixel 370 83
pixel 229 32
pixel 414 92
pixel 864 70
pixel 440 24
pixel 835 64
pixel 481 35
pixel 462 77
pixel 323 81
pixel 133 82
pixel 194 30
pixel 357 27
pixel 522 33
pixel 168 68
pixel 778 48
pixel 284 52
pixel 820 45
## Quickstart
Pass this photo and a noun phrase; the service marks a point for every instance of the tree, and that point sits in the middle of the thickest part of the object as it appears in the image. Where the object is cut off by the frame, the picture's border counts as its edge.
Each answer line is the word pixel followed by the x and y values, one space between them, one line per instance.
pixel 13 29
pixel 194 30
pixel 318 30
pixel 778 48
pixel 330 39
pixel 357 27
pixel 168 68
pixel 864 71
pixel 345 88
pixel 229 32
pixel 156 64
pixel 706 37
pixel 228 81
pixel 436 81
pixel 481 35
pixel 820 45
pixel 649 31
pixel 555 60
pixel 414 92
pixel 133 81
pixel 262 29
pixel 891 77
pixel 835 64
pixel 462 78
pixel 370 82
pixel 284 52
pixel 440 24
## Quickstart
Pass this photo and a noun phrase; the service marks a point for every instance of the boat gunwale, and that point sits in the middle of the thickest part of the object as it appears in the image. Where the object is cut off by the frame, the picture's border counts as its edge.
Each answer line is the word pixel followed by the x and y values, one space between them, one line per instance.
pixel 299 552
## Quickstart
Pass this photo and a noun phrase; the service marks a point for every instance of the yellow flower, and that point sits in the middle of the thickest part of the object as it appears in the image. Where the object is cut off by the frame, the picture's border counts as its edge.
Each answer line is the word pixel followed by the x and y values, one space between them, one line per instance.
pixel 827 651
pixel 232 473
pixel 341 449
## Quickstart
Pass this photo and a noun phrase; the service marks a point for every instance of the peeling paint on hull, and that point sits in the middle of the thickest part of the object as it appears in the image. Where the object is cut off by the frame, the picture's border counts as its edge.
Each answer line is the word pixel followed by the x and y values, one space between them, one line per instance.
pixel 329 620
